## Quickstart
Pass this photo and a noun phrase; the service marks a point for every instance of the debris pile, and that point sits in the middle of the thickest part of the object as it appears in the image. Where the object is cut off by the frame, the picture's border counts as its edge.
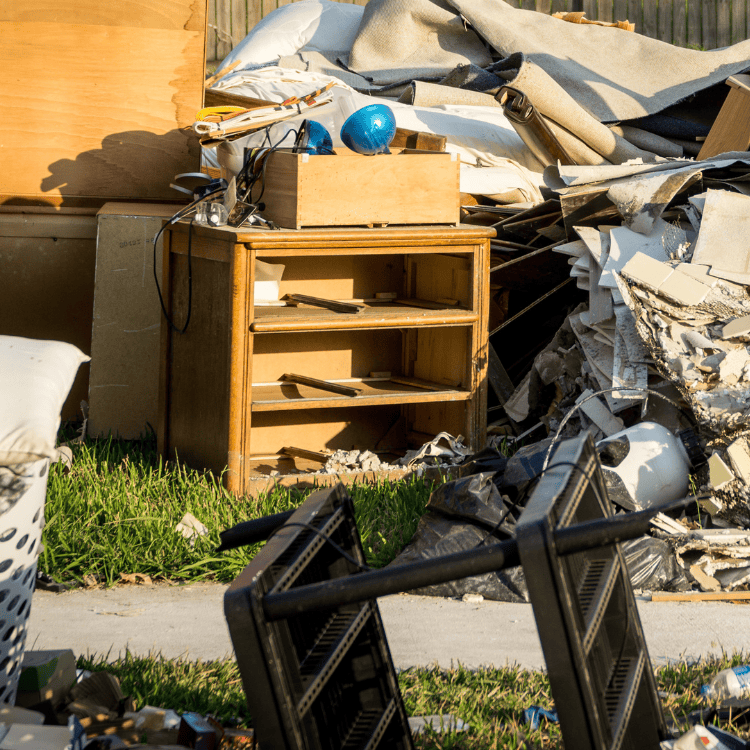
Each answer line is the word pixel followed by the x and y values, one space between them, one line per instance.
pixel 60 707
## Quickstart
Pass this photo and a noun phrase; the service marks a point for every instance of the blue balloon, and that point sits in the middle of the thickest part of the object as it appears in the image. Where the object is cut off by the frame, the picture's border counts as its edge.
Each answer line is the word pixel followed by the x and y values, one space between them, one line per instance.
pixel 370 130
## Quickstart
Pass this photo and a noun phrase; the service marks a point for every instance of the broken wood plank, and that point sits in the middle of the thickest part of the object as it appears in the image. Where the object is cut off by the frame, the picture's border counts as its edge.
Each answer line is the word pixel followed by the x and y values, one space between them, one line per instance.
pixel 293 452
pixel 324 385
pixel 328 304
pixel 414 139
pixel 700 596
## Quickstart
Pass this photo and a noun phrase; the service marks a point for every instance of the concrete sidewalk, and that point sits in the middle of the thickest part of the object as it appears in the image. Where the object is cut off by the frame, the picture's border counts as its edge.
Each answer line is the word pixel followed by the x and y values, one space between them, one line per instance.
pixel 188 621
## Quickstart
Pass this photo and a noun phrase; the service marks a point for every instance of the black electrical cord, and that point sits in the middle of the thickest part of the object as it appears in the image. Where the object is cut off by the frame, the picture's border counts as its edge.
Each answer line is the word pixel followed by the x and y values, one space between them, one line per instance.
pixel 181 214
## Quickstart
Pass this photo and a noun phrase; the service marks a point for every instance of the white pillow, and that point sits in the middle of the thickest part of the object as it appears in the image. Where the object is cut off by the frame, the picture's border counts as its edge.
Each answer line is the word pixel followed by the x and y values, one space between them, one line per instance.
pixel 35 379
pixel 321 25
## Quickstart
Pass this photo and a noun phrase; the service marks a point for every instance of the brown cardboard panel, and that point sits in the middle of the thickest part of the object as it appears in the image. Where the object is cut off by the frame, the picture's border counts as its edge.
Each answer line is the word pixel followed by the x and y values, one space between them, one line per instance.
pixel 99 98
pixel 123 387
pixel 47 272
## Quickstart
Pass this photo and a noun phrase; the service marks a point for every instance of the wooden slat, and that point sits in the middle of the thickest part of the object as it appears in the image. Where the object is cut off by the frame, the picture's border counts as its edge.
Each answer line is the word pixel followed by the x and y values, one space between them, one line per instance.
pixel 211 30
pixel 528 4
pixel 590 9
pixel 724 22
pixel 679 23
pixel 544 6
pixel 223 29
pixel 738 21
pixel 558 5
pixel 605 11
pixel 665 20
pixel 650 19
pixel 709 24
pixel 695 11
pixel 254 13
pixel 700 596
pixel 620 11
pixel 238 10
pixel 635 14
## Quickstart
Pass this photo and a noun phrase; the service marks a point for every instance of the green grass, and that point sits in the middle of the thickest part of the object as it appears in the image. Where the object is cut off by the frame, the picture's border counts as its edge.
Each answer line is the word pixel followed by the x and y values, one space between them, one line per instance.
pixel 490 700
pixel 116 510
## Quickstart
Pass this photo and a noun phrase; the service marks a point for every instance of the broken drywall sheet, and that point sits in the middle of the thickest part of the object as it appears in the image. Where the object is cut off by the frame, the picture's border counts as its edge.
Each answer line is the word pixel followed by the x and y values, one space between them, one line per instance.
pixel 596 242
pixel 599 414
pixel 724 238
pixel 642 200
pixel 625 243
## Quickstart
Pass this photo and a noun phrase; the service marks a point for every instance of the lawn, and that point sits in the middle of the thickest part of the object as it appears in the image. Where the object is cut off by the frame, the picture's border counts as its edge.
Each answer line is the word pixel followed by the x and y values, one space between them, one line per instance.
pixel 490 700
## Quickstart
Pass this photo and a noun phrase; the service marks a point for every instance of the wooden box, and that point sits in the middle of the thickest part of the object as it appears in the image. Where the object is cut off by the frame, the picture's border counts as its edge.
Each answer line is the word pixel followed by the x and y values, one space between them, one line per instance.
pixel 418 362
pixel 347 189
pixel 98 98
pixel 47 262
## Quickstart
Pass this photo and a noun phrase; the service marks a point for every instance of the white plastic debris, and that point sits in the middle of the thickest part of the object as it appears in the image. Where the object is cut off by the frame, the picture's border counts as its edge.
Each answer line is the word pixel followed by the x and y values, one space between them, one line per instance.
pixel 654 470
pixel 191 528
pixel 438 723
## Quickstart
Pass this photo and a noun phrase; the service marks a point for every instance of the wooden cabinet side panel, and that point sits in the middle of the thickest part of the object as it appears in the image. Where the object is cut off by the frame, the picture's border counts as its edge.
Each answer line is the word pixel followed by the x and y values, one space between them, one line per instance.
pixel 199 365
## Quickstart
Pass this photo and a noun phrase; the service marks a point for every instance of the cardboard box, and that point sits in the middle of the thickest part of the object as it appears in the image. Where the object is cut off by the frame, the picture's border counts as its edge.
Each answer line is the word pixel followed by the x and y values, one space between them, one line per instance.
pixel 45 675
pixel 307 190
pixel 123 385
pixel 47 260
pixel 99 98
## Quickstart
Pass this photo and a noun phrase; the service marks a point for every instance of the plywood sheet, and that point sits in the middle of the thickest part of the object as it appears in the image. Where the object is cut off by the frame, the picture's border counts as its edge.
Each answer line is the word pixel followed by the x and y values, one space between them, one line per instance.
pixel 98 98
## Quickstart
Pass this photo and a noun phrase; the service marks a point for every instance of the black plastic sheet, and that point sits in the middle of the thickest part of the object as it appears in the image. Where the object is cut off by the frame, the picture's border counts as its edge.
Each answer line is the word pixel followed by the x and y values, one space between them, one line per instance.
pixel 652 565
pixel 461 515
pixel 437 536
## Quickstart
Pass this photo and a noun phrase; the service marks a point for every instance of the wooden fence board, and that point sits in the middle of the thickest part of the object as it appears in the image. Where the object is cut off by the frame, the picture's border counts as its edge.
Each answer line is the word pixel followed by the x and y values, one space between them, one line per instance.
pixel 211 30
pixel 724 22
pixel 679 23
pixel 223 29
pixel 694 23
pixel 698 23
pixel 238 9
pixel 708 40
pixel 738 21
pixel 665 21
pixel 650 20
pixel 620 11
pixel 605 11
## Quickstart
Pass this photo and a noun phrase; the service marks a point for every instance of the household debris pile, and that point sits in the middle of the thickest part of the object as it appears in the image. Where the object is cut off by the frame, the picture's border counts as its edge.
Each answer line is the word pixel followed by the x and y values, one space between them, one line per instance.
pixel 618 281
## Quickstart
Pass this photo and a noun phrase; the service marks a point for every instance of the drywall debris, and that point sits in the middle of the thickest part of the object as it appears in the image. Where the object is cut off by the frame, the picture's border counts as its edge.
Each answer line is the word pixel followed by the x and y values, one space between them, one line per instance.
pixel 719 473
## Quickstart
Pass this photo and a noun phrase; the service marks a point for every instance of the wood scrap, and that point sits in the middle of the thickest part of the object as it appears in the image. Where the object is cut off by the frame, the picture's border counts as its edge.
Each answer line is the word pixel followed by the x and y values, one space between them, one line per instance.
pixel 328 304
pixel 293 452
pixel 323 385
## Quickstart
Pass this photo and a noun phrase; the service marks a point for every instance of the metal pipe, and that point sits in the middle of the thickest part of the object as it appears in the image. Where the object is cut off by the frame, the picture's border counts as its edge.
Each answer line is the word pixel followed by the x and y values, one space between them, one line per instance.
pixel 390 580
pixel 393 580
pixel 251 532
